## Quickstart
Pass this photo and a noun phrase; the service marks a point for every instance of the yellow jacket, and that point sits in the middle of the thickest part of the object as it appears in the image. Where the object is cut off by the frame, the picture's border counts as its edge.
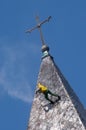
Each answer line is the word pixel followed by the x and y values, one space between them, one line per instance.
pixel 42 87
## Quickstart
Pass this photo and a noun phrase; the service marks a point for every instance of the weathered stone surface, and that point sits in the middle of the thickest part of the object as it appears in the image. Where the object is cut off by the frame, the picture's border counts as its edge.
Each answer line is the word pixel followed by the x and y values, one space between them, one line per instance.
pixel 69 114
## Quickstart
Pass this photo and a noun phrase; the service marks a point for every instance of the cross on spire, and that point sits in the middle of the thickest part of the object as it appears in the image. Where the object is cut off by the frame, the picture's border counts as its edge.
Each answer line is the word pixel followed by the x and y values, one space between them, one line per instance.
pixel 38 26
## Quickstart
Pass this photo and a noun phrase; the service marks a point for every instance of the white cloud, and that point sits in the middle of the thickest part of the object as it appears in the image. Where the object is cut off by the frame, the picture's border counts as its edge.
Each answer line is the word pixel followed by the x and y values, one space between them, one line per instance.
pixel 21 90
pixel 15 70
pixel 23 93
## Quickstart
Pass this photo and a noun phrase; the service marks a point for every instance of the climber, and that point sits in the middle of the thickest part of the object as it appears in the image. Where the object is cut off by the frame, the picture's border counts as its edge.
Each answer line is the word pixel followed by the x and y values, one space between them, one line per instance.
pixel 43 89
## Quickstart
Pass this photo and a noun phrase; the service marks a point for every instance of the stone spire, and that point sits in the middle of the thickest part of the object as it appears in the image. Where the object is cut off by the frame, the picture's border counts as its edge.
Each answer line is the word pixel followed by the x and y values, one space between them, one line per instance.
pixel 68 113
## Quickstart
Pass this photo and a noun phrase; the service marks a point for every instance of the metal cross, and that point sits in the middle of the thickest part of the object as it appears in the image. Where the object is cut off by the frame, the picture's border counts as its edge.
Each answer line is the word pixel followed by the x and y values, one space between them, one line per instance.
pixel 39 24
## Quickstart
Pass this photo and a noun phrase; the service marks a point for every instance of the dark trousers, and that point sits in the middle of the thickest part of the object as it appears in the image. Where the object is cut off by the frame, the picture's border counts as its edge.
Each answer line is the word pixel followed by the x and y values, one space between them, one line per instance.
pixel 49 92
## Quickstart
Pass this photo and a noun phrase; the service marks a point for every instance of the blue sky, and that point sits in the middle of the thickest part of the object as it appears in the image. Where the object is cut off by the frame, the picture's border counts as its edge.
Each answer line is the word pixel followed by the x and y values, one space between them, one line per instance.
pixel 20 54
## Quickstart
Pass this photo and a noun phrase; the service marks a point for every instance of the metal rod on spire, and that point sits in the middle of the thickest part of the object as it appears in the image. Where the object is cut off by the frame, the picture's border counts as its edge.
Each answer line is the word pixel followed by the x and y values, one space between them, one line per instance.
pixel 39 24
pixel 40 31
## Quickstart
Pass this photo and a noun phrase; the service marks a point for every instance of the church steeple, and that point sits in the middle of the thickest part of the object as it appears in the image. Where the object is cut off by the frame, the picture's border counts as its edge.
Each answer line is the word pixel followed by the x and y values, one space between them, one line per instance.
pixel 68 113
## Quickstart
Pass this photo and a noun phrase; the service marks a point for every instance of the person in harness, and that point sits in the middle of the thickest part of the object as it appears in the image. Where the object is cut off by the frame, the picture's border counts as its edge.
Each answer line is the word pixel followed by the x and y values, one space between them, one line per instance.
pixel 43 89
